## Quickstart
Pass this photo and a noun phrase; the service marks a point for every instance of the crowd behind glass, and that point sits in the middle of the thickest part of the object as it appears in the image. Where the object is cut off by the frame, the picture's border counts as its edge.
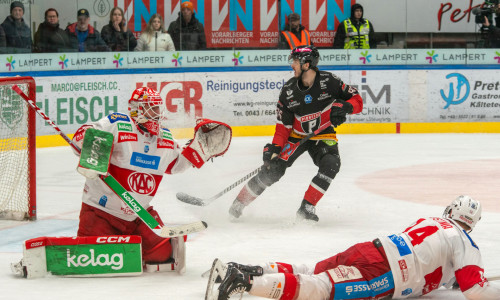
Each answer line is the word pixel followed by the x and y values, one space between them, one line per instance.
pixel 185 33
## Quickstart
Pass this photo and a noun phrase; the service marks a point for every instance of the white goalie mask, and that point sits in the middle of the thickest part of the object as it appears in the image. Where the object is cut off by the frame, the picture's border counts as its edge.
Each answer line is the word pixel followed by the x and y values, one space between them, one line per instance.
pixel 147 109
pixel 464 209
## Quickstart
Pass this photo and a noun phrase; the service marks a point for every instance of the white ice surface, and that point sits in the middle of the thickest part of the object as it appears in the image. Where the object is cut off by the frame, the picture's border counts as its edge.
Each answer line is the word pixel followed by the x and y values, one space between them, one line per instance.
pixel 266 231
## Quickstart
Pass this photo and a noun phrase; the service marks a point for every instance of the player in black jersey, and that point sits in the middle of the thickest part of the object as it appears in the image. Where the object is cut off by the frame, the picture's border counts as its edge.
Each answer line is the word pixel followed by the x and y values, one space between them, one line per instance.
pixel 307 101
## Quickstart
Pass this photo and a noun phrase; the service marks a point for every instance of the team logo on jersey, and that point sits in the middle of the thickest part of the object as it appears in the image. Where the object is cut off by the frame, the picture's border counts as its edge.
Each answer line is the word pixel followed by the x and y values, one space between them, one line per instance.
pixel 142 183
pixel 289 92
pixel 115 117
pixel 308 99
pixel 146 149
pixel 124 127
pixel 164 143
pixel 127 137
pixel 145 161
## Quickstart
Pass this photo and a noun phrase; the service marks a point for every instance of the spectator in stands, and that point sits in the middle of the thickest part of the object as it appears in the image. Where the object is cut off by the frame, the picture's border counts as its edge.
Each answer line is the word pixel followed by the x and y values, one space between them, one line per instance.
pixel 295 34
pixel 493 38
pixel 154 37
pixel 49 37
pixel 116 34
pixel 3 42
pixel 17 33
pixel 355 32
pixel 84 37
pixel 187 32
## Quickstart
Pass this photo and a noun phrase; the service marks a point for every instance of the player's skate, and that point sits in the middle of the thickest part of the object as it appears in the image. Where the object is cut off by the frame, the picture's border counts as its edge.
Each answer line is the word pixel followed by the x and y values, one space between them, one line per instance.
pixel 307 211
pixel 236 208
pixel 235 282
pixel 217 272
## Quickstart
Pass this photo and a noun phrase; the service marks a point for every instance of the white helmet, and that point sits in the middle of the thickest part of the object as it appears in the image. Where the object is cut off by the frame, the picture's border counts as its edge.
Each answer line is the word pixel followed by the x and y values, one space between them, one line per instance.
pixel 464 209
pixel 147 108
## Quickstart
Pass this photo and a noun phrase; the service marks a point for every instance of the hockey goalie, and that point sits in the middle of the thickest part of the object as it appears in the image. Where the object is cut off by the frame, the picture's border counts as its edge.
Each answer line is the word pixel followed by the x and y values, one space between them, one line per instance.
pixel 137 149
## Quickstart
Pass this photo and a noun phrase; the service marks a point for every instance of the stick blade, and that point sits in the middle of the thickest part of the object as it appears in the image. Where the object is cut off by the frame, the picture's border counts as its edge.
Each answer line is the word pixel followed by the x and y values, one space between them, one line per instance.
pixel 183 197
pixel 173 231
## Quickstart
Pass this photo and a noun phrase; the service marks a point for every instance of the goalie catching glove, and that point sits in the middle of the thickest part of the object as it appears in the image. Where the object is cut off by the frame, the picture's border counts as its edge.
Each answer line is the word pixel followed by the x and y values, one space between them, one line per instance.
pixel 211 139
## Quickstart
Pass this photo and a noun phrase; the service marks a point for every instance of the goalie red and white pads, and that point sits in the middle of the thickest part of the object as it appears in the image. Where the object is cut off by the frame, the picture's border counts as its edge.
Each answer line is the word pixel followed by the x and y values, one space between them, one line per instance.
pixel 211 139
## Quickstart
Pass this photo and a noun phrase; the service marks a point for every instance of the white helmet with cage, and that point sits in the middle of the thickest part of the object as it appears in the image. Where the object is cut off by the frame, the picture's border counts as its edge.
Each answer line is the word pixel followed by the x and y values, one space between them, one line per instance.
pixel 464 209
pixel 147 109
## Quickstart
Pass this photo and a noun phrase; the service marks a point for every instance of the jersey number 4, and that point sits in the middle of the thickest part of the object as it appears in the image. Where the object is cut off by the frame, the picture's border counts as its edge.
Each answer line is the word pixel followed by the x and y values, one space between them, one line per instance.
pixel 418 235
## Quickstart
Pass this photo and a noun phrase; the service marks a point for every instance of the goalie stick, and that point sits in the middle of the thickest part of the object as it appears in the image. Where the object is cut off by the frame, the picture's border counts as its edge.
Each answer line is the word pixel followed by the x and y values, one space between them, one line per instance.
pixel 203 202
pixel 119 190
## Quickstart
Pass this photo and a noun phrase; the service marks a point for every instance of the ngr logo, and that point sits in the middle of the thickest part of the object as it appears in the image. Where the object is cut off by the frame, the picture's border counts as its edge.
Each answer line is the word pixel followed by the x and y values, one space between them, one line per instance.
pixel 459 90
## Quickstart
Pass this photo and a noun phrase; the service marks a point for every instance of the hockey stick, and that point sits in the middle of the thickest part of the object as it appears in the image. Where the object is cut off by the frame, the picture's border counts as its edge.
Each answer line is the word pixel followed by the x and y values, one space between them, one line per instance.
pixel 118 189
pixel 203 202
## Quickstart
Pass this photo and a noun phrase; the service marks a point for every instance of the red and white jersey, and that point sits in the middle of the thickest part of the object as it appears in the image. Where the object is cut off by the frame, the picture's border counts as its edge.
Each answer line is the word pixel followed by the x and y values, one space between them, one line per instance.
pixel 429 254
pixel 138 162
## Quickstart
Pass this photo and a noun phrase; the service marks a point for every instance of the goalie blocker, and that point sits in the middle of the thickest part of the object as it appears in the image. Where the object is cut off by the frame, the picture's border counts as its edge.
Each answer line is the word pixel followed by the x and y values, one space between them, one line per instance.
pixel 211 139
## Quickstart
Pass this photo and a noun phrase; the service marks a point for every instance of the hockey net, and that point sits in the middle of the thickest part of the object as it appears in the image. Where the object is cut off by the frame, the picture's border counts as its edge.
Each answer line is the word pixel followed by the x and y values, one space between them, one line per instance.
pixel 17 150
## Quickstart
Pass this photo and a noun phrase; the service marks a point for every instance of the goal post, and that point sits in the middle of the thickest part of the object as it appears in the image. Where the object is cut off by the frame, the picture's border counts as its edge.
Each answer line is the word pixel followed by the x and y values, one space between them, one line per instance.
pixel 17 150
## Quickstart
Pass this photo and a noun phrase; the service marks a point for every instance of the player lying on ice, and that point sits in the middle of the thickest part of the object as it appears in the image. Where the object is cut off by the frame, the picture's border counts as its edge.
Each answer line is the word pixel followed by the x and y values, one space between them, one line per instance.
pixel 307 101
pixel 431 253
pixel 143 151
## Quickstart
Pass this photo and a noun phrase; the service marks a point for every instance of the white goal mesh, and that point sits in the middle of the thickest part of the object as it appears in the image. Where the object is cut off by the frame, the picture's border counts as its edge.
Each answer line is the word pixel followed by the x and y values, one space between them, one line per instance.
pixel 17 150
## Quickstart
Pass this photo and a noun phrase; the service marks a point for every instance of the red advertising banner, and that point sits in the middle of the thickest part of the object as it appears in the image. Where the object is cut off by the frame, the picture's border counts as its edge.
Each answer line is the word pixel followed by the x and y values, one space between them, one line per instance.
pixel 245 23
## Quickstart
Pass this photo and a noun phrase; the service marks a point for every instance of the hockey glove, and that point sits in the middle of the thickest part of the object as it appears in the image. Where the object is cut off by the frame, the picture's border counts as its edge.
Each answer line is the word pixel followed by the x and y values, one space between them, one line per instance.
pixel 338 112
pixel 211 139
pixel 270 152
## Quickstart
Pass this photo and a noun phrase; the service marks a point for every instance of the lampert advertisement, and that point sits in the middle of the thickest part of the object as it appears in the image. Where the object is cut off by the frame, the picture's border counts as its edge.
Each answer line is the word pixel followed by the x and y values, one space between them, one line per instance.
pixel 249 98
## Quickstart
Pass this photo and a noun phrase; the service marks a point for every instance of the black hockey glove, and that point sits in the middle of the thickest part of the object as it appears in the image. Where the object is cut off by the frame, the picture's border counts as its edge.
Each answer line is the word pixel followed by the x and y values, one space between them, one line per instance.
pixel 270 150
pixel 338 112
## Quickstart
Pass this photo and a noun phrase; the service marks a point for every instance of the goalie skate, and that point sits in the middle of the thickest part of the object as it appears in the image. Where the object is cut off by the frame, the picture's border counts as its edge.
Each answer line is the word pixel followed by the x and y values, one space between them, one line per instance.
pixel 218 271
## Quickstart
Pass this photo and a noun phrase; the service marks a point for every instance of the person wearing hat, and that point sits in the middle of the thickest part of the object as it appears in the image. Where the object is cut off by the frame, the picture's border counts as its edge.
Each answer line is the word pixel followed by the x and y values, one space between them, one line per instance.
pixel 355 32
pixel 50 37
pixel 83 36
pixel 294 34
pixel 17 33
pixel 187 32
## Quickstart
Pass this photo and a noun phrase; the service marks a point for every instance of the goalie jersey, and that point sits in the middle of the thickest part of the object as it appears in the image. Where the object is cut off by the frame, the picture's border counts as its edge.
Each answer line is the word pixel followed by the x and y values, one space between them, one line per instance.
pixel 138 162
pixel 434 252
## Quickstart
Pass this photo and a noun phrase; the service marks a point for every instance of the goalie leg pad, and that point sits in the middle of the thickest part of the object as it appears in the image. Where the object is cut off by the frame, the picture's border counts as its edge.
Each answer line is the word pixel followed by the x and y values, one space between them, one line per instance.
pixel 92 256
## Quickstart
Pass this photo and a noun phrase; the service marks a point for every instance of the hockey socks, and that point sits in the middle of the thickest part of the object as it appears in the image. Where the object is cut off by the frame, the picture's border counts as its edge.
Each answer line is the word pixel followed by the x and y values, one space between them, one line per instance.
pixel 282 286
pixel 317 188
